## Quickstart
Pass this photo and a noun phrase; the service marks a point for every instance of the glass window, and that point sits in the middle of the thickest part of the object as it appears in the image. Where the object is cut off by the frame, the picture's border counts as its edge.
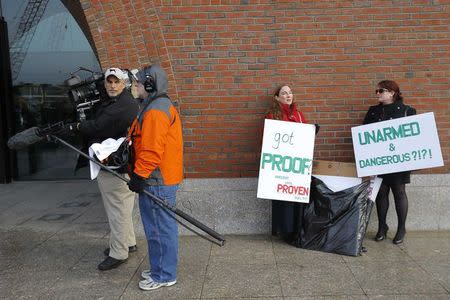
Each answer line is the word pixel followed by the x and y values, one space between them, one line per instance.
pixel 46 46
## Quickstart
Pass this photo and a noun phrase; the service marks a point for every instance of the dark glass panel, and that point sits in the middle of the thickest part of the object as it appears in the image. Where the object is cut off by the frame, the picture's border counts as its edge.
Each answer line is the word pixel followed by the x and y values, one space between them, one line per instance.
pixel 46 46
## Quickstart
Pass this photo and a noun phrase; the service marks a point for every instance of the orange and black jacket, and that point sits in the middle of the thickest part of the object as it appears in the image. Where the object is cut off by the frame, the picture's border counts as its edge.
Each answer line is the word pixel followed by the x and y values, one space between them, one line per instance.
pixel 158 143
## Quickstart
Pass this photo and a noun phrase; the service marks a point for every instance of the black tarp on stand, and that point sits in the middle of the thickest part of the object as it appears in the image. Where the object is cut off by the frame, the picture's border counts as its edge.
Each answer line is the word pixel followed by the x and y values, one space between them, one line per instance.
pixel 334 221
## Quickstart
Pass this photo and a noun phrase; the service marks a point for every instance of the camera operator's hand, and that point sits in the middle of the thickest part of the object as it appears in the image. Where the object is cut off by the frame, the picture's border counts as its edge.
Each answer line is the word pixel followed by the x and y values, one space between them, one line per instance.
pixel 69 129
pixel 137 183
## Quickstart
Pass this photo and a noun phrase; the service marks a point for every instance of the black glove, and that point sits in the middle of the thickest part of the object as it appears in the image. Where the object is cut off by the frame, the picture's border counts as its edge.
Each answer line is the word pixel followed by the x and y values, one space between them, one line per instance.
pixel 317 128
pixel 137 183
pixel 69 129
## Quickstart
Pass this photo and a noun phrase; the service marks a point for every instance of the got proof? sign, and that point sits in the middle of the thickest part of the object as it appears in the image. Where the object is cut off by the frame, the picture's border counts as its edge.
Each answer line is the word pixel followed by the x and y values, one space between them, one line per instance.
pixel 403 144
pixel 286 161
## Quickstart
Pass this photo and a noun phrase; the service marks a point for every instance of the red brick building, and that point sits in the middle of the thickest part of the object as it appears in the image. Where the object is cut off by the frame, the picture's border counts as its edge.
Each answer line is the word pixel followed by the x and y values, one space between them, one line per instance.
pixel 225 57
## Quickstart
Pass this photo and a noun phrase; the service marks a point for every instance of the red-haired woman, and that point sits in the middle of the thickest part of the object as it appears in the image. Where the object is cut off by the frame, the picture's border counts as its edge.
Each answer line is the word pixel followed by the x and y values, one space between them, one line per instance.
pixel 285 215
pixel 391 106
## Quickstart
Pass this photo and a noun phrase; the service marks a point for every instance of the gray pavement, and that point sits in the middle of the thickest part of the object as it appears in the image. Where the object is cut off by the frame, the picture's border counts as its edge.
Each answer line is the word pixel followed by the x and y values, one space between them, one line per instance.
pixel 52 235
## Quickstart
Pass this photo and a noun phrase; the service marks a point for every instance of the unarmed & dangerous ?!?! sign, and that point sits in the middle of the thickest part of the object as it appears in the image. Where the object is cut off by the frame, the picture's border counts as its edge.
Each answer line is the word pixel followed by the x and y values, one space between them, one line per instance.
pixel 397 145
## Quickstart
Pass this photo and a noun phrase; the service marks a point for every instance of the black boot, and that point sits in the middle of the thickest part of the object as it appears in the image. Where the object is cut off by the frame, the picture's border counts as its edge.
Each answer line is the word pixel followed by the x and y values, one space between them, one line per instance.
pixel 381 234
pixel 110 263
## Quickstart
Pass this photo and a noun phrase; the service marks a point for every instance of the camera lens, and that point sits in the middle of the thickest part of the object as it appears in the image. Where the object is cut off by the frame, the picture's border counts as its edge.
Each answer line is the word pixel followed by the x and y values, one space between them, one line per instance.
pixel 83 93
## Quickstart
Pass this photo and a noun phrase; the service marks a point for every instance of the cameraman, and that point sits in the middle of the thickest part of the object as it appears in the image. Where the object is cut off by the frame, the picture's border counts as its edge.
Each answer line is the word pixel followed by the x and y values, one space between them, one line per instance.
pixel 111 120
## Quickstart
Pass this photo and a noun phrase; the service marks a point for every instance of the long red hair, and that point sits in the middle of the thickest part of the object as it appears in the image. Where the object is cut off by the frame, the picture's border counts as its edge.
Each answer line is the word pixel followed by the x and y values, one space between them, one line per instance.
pixel 275 106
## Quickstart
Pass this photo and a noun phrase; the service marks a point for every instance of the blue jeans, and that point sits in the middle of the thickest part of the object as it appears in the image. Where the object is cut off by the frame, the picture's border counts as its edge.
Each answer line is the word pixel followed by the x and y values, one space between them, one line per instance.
pixel 161 231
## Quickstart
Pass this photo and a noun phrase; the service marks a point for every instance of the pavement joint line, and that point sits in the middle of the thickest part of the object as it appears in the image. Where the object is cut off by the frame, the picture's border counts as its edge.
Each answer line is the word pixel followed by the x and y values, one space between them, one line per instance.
pixel 347 265
pixel 277 266
pixel 206 270
pixel 132 276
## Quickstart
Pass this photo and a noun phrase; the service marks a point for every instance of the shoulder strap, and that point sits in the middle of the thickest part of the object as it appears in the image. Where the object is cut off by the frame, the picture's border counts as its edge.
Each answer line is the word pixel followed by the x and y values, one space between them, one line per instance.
pixel 298 113
pixel 299 116
pixel 140 117
pixel 406 110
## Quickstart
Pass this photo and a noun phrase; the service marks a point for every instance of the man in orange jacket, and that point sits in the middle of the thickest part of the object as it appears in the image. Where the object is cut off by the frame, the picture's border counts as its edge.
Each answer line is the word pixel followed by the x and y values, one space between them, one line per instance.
pixel 157 168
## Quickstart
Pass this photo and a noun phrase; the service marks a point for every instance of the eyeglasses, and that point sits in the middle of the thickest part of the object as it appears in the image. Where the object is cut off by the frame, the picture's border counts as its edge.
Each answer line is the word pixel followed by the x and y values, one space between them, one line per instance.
pixel 381 91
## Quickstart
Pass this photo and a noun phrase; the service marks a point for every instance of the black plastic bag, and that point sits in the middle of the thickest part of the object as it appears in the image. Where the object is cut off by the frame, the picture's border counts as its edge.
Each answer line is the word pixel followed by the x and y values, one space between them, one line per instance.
pixel 335 221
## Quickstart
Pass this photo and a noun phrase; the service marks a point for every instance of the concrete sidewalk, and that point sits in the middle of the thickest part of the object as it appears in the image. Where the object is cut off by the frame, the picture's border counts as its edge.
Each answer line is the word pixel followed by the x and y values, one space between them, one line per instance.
pixel 53 235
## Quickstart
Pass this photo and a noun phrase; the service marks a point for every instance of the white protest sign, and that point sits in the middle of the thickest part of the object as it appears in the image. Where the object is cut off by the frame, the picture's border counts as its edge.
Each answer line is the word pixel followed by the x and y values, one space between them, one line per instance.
pixel 286 161
pixel 397 145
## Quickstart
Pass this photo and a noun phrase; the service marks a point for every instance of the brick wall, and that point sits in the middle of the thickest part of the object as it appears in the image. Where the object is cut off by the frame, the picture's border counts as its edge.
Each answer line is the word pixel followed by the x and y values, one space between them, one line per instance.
pixel 225 57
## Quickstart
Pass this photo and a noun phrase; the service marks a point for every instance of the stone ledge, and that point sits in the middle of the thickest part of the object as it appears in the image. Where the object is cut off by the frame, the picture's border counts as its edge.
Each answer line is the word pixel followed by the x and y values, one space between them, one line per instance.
pixel 230 205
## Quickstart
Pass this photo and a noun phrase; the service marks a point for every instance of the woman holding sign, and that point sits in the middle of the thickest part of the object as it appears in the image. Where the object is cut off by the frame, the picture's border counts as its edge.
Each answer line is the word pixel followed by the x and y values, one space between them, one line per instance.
pixel 390 106
pixel 285 215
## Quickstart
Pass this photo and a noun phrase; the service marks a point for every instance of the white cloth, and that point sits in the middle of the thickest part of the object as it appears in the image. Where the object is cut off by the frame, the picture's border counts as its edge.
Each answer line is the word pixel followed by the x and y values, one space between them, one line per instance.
pixel 340 183
pixel 102 151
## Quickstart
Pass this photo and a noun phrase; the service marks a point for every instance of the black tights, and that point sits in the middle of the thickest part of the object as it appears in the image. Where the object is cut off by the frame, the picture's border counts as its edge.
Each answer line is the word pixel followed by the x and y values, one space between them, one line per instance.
pixel 401 204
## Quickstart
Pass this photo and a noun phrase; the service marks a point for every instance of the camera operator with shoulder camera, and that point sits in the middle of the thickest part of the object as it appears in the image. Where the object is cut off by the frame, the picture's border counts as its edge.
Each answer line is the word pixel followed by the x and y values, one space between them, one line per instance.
pixel 111 120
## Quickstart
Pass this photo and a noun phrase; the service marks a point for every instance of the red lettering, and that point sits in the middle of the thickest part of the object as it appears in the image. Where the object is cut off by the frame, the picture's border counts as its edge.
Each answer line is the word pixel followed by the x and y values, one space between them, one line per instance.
pixel 291 189
pixel 279 187
pixel 305 191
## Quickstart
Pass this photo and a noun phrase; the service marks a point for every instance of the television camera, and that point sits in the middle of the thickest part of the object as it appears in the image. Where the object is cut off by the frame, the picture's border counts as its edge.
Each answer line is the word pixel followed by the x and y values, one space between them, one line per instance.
pixel 85 94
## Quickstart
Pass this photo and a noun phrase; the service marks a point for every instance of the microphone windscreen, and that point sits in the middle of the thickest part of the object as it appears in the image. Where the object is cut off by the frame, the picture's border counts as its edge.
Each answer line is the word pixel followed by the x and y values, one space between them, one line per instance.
pixel 24 139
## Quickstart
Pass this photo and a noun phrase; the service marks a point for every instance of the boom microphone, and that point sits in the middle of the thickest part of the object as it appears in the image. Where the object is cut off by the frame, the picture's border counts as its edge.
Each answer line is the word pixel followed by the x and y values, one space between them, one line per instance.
pixel 25 138
pixel 33 135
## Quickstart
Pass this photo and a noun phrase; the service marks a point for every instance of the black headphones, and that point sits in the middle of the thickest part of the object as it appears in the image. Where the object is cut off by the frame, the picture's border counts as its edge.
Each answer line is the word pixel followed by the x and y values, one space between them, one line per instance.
pixel 149 84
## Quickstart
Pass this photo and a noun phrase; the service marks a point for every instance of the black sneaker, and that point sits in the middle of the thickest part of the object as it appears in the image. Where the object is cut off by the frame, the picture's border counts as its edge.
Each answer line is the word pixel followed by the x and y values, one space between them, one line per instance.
pixel 130 250
pixel 110 263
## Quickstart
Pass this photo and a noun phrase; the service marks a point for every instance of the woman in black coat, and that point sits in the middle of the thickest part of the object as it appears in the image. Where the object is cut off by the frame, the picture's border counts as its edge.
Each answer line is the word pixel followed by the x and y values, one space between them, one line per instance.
pixel 391 106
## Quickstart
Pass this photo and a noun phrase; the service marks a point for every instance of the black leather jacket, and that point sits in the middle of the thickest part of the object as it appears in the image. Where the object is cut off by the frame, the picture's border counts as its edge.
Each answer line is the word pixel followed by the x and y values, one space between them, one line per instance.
pixel 382 112
pixel 112 119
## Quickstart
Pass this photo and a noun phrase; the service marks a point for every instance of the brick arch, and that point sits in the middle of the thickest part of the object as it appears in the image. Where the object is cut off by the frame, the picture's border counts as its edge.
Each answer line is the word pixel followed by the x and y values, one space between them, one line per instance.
pixel 77 12
pixel 128 34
